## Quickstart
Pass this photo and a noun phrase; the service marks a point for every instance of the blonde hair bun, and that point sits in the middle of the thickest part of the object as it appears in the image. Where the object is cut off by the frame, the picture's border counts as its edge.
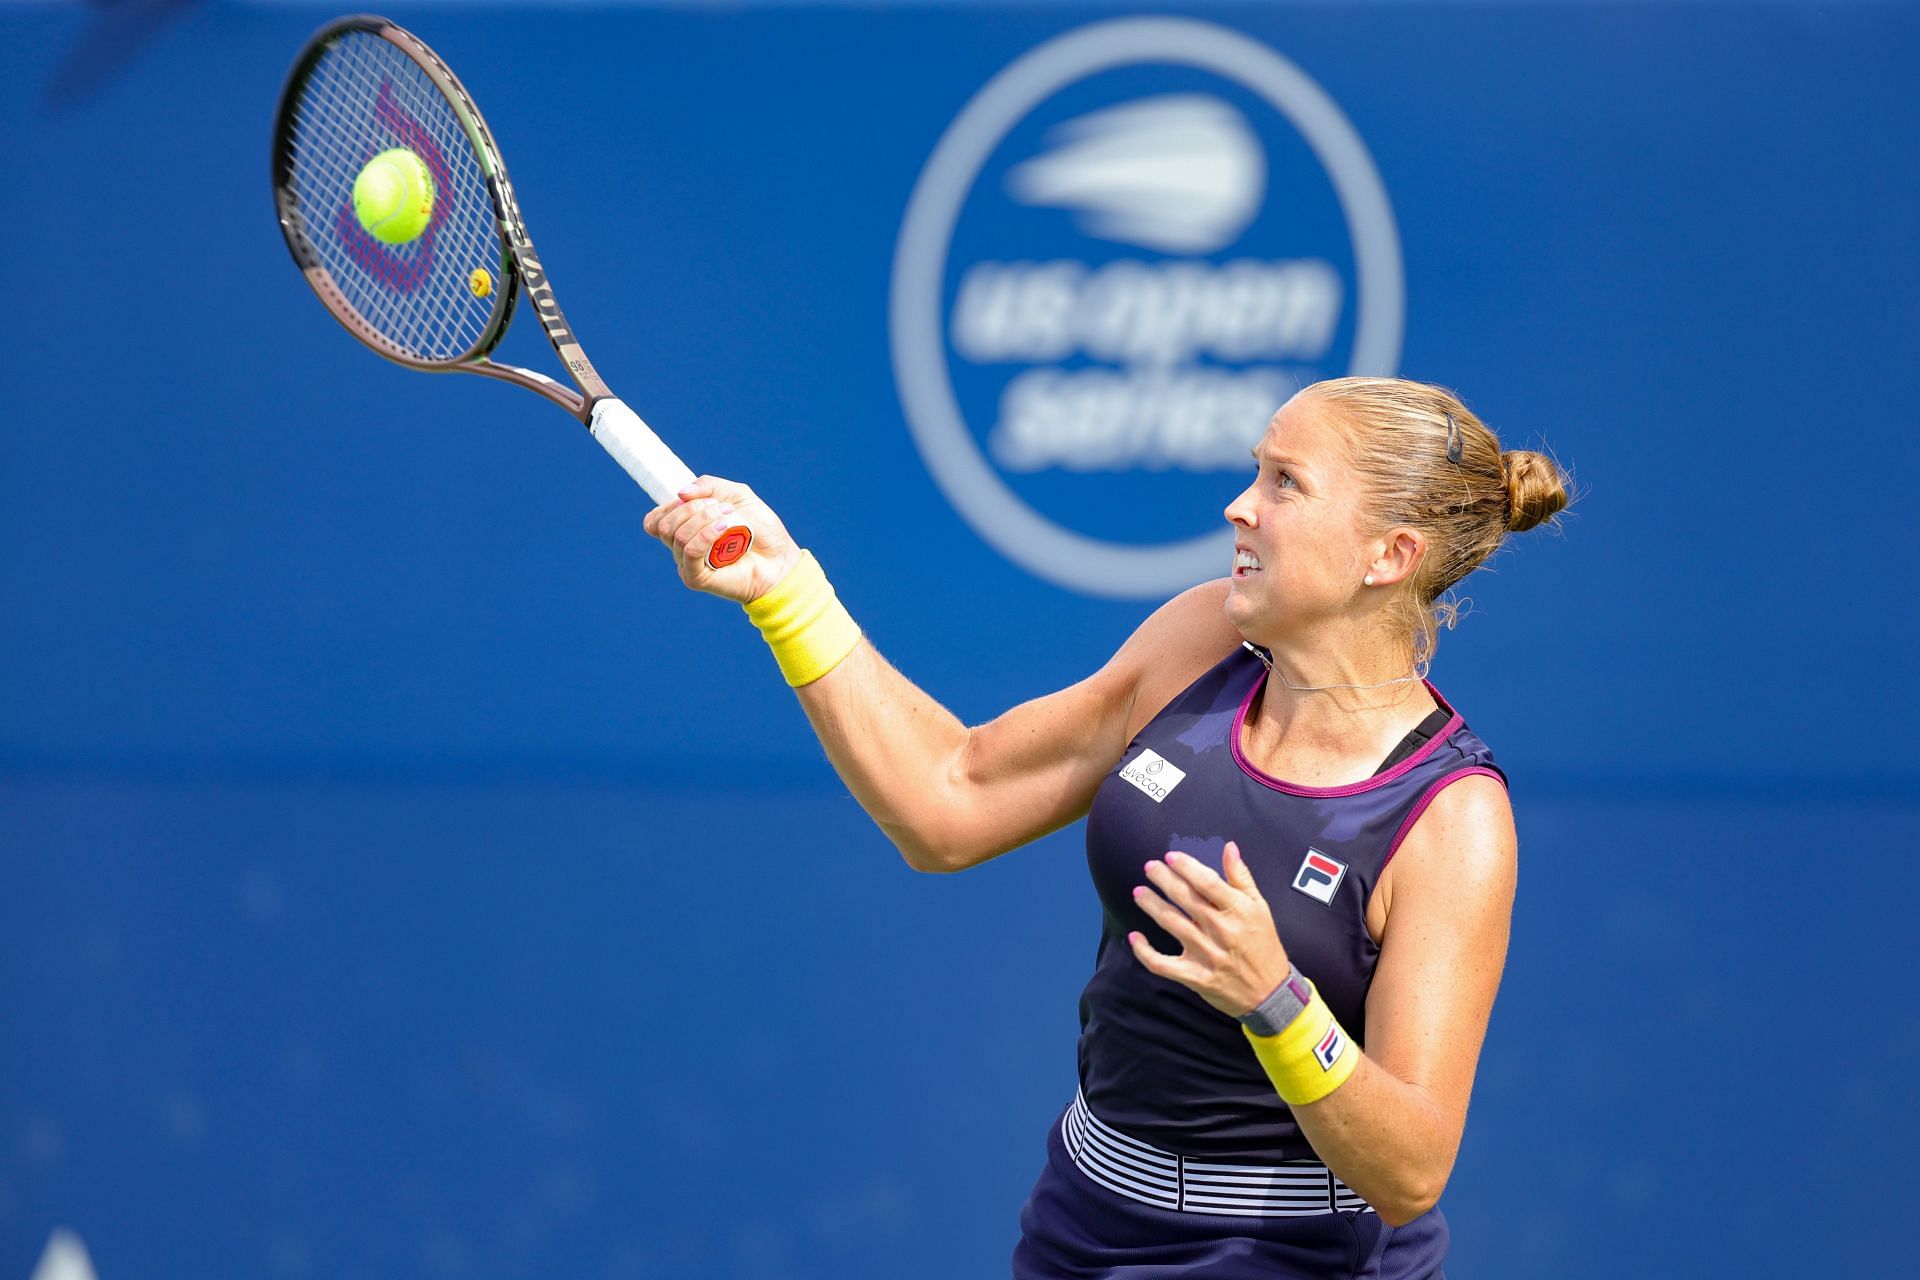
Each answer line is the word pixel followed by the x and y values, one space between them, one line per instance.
pixel 1424 460
pixel 1536 489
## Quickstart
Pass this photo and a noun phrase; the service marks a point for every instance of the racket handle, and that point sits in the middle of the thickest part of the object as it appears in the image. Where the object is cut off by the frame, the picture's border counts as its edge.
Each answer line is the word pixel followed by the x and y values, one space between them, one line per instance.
pixel 655 468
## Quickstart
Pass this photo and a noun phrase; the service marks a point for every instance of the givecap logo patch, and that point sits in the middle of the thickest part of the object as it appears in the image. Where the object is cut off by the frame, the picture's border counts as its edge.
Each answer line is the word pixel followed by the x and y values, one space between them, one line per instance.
pixel 1152 774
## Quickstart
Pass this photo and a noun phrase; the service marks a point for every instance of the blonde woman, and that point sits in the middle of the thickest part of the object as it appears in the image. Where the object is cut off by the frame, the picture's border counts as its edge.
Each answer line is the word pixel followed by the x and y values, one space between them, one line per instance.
pixel 1305 856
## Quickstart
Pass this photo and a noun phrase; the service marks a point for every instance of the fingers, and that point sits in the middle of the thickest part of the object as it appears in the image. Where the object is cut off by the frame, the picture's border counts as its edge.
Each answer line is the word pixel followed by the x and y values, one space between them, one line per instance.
pixel 660 521
pixel 699 515
pixel 715 486
pixel 1166 966
pixel 705 519
pixel 704 535
pixel 1238 873
pixel 702 500
pixel 679 525
pixel 1169 917
pixel 1229 949
pixel 696 488
pixel 1203 879
pixel 1176 888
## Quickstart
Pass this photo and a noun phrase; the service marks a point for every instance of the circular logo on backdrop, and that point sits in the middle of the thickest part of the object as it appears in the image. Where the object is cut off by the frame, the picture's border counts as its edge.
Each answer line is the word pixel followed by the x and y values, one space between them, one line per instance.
pixel 1124 254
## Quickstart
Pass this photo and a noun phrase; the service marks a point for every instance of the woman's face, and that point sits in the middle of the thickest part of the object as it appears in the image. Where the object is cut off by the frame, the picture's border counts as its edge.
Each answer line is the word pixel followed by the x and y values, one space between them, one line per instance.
pixel 1299 552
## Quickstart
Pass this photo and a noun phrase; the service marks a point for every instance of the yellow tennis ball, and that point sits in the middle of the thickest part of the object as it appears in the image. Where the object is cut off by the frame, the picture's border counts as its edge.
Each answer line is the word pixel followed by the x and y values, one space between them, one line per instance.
pixel 393 196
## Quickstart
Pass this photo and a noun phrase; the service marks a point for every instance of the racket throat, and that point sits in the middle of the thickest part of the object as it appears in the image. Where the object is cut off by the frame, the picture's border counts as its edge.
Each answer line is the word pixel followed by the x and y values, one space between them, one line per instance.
pixel 583 372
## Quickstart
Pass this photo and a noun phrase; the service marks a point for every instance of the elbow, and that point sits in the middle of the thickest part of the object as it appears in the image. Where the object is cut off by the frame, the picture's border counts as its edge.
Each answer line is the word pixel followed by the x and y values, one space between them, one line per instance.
pixel 1397 1217
pixel 923 859
pixel 1410 1201
pixel 925 844
pixel 940 836
pixel 930 857
pixel 944 858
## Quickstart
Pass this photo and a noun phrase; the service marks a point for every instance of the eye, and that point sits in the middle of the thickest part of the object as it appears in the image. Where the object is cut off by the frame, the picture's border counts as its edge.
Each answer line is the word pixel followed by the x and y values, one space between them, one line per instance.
pixel 1285 480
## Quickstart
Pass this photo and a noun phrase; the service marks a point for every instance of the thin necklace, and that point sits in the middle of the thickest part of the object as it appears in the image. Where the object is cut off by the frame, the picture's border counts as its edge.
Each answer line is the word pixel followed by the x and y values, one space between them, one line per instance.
pixel 1264 657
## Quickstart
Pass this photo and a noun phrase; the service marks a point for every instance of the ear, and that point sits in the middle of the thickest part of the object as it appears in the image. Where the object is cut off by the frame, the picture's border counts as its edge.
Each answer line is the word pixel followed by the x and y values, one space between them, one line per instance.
pixel 1396 554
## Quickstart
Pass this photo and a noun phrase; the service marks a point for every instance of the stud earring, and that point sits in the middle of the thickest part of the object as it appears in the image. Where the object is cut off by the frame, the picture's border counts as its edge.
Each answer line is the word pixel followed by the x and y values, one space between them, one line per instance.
pixel 1367 581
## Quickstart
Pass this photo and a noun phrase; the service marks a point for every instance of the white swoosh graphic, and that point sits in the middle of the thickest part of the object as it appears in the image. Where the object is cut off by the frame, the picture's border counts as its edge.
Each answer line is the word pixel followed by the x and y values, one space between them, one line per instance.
pixel 1181 173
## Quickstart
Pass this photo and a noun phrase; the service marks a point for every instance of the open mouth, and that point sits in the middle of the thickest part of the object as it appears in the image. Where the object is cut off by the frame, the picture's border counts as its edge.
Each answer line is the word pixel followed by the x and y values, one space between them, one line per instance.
pixel 1244 562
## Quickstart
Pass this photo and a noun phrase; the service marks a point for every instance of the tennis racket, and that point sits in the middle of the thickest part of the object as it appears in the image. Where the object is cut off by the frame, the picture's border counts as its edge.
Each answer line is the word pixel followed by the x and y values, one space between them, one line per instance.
pixel 441 301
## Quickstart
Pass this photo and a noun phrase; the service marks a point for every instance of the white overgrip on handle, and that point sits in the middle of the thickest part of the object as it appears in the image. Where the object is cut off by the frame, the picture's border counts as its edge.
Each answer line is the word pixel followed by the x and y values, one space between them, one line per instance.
pixel 644 455
pixel 655 468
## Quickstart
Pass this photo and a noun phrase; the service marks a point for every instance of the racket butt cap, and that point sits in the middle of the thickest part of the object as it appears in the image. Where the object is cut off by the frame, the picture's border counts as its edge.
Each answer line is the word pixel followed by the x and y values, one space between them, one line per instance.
pixel 729 547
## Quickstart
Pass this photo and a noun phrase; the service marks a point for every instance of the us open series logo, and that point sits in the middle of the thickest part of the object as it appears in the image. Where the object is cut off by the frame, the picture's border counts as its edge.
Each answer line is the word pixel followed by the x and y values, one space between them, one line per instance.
pixel 1128 250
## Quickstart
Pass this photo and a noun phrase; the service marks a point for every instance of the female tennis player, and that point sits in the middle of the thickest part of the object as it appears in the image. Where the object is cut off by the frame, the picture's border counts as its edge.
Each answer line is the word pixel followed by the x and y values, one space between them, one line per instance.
pixel 1306 858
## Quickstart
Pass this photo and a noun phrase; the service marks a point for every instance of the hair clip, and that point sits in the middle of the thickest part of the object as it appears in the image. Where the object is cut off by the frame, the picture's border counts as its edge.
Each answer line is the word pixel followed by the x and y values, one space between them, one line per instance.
pixel 1453 441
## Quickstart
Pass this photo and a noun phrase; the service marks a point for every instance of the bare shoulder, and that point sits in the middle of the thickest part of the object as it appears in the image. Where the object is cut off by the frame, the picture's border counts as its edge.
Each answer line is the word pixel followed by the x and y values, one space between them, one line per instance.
pixel 1175 646
pixel 1461 857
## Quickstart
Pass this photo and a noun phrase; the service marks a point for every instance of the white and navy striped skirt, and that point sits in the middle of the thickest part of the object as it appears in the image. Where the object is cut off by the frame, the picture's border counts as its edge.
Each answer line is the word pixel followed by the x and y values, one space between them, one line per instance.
pixel 1109 1205
pixel 1132 1168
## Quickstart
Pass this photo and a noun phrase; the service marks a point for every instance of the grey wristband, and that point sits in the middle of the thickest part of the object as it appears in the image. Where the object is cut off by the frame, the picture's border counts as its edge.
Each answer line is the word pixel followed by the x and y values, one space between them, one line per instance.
pixel 1285 1004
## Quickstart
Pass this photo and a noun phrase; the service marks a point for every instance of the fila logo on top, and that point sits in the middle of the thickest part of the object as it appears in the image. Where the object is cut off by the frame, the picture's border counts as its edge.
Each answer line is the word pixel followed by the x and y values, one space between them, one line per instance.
pixel 1319 876
pixel 1129 248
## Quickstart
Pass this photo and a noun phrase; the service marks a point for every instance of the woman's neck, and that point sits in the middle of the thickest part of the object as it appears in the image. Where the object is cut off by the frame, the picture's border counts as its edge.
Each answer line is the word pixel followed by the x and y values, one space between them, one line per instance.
pixel 1330 709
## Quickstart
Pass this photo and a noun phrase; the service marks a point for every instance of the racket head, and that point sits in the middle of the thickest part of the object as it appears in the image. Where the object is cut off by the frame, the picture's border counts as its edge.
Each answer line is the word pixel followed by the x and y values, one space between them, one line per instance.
pixel 363 85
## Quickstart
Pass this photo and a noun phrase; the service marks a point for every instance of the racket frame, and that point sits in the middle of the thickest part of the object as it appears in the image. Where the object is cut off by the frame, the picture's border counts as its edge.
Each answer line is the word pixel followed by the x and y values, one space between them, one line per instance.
pixel 519 264
pixel 616 426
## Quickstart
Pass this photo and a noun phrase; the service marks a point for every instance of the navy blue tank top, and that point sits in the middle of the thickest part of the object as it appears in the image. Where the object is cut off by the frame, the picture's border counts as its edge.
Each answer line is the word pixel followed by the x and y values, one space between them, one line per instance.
pixel 1156 1060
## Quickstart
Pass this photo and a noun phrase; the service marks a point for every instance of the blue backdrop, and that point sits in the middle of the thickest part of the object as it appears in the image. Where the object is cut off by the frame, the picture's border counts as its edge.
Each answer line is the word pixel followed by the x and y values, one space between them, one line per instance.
pixel 392 853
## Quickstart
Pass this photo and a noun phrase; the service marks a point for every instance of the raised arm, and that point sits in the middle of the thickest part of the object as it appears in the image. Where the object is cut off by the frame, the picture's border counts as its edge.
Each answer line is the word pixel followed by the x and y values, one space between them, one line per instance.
pixel 950 796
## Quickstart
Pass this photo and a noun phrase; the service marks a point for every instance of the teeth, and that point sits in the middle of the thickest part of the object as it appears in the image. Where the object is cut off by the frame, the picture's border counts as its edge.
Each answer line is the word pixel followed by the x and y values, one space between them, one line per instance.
pixel 1245 560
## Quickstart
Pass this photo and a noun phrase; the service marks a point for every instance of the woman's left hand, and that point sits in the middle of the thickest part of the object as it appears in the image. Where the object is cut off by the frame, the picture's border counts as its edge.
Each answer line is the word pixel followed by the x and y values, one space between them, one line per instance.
pixel 1232 956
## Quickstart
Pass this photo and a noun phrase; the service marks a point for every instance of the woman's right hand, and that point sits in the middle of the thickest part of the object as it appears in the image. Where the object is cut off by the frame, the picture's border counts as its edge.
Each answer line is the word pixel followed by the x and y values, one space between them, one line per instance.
pixel 704 510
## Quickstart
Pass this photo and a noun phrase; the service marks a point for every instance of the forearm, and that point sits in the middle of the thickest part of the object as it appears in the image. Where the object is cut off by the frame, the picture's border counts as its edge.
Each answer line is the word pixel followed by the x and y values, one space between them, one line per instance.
pixel 894 747
pixel 1385 1138
pixel 947 795
pixel 891 743
pixel 1390 1140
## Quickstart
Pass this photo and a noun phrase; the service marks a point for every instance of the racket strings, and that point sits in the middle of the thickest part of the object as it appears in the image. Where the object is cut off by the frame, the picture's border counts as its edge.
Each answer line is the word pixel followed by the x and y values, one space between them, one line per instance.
pixel 362 97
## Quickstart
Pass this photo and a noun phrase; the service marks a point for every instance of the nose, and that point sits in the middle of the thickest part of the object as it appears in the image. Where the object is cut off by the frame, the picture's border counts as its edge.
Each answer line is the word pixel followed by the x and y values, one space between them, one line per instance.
pixel 1240 510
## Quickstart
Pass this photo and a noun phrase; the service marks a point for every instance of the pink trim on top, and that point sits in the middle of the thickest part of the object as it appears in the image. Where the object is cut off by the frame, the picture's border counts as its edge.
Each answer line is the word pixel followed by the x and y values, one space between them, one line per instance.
pixel 1352 788
pixel 1433 791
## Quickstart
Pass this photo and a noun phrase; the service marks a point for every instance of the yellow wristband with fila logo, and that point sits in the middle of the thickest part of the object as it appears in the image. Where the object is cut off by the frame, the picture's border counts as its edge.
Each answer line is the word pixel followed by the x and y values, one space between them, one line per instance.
pixel 1311 1056
pixel 804 623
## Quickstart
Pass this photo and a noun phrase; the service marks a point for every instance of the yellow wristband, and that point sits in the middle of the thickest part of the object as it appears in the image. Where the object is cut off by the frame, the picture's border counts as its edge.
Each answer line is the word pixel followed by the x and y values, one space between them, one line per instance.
pixel 1311 1057
pixel 808 629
